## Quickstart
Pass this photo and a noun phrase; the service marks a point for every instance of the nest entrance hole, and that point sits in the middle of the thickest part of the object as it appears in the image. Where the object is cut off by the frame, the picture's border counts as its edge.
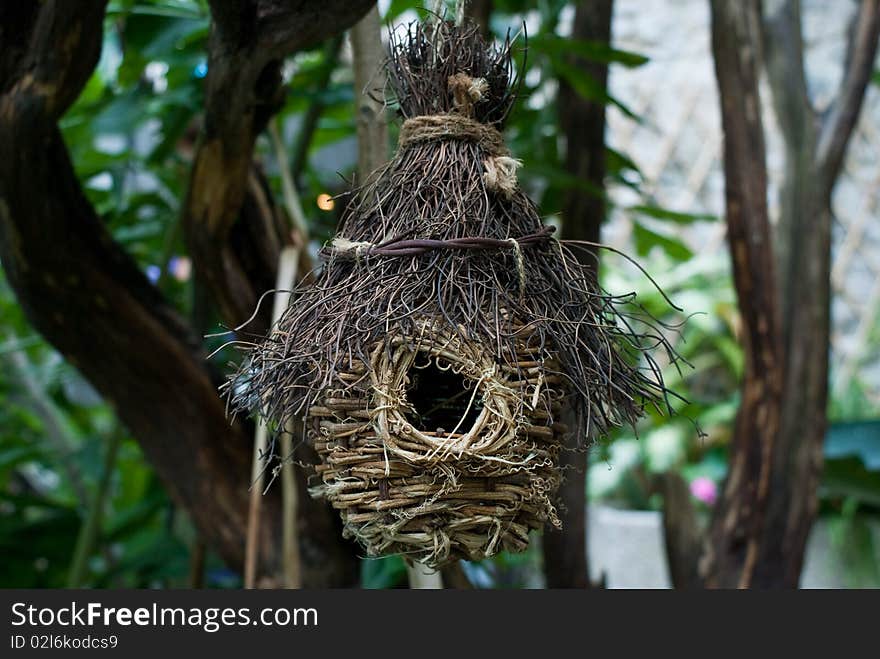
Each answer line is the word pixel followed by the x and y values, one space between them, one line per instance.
pixel 441 400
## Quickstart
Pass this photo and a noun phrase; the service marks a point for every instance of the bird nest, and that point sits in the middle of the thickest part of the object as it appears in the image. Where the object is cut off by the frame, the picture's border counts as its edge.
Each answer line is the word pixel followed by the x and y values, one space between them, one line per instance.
pixel 448 332
pixel 404 483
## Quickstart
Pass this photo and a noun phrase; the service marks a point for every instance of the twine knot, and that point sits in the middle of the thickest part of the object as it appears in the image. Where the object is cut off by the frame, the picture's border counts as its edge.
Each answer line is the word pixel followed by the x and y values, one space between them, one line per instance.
pixel 500 174
pixel 360 248
pixel 500 168
pixel 520 265
pixel 466 92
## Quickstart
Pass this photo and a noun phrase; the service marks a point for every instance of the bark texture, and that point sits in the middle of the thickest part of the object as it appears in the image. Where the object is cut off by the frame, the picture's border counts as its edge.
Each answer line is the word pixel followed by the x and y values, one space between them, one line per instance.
pixel 369 84
pixel 737 531
pixel 248 42
pixel 88 298
pixel 760 527
pixel 815 145
pixel 84 294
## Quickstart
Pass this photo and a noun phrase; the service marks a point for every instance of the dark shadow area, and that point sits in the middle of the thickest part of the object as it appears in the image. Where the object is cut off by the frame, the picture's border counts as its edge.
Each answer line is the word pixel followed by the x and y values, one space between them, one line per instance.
pixel 440 399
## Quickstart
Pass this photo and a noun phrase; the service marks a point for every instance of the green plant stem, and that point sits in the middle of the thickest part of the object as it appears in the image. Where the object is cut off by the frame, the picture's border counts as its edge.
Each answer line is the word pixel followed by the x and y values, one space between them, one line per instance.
pixel 88 532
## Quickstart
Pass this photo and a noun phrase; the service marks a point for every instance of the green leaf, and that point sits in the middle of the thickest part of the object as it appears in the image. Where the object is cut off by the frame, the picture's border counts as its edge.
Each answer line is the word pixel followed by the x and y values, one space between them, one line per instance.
pixel 848 477
pixel 397 7
pixel 16 455
pixel 672 216
pixel 587 87
pixel 594 51
pixel 35 541
pixel 170 9
pixel 618 161
pixel 385 572
pixel 646 240
pixel 853 541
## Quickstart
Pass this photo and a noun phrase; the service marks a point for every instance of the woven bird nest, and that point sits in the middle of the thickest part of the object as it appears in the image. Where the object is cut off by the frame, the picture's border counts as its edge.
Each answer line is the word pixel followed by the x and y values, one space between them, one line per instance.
pixel 404 483
pixel 450 347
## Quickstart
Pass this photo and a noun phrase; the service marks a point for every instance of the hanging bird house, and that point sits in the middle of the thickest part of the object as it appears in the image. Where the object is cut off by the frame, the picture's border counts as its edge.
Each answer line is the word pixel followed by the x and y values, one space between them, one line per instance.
pixel 450 347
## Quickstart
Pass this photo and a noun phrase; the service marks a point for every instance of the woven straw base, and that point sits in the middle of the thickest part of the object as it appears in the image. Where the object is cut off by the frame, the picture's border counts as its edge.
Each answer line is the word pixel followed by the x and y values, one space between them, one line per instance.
pixel 438 496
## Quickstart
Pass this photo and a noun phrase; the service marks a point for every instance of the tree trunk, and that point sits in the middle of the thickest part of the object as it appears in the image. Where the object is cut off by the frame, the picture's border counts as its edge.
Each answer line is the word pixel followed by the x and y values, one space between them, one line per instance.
pixel 92 303
pixel 243 89
pixel 88 298
pixel 737 533
pixel 583 124
pixel 761 524
pixel 369 83
pixel 814 153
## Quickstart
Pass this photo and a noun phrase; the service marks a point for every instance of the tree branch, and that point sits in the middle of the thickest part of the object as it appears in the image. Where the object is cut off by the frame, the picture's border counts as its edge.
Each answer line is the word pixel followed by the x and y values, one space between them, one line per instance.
pixel 783 46
pixel 783 59
pixel 372 131
pixel 844 112
pixel 737 528
pixel 681 534
pixel 90 300
pixel 243 90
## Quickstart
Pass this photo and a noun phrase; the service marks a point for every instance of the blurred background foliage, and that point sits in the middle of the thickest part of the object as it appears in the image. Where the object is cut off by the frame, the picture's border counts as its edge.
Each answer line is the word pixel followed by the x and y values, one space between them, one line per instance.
pixel 78 503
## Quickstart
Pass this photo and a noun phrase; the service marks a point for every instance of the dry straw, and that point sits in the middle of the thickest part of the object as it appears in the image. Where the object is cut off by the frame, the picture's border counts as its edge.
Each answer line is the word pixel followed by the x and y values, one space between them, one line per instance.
pixel 450 347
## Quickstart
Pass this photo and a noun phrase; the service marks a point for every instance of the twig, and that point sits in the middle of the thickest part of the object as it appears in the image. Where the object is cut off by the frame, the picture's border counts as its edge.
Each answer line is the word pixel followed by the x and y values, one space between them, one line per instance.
pixel 91 526
pixel 287 266
pixel 288 186
pixel 843 114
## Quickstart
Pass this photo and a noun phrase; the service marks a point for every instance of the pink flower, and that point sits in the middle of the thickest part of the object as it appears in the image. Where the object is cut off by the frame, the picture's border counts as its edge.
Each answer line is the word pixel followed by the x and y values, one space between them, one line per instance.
pixel 704 489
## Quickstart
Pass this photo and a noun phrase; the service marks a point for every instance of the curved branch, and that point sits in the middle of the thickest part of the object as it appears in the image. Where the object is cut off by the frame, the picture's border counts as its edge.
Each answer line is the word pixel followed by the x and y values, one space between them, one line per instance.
pixel 797 119
pixel 783 45
pixel 90 300
pixel 844 112
pixel 243 90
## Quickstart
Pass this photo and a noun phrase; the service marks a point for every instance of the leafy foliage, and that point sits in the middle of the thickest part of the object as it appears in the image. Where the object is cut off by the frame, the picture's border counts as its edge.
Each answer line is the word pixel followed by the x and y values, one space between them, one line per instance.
pixel 131 135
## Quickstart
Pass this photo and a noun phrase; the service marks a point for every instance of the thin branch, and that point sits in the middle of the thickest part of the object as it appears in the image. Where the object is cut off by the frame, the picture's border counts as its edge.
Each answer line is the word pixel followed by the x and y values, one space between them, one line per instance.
pixel 310 119
pixel 55 422
pixel 260 464
pixel 288 185
pixel 844 112
pixel 681 533
pixel 91 527
pixel 783 46
pixel 372 131
pixel 783 55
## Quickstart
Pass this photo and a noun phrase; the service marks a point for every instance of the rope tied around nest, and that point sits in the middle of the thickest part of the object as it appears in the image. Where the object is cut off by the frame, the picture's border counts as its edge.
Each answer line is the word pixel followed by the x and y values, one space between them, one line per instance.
pixel 500 174
pixel 358 249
